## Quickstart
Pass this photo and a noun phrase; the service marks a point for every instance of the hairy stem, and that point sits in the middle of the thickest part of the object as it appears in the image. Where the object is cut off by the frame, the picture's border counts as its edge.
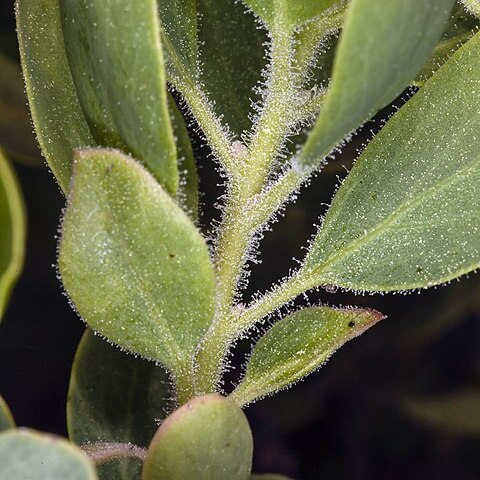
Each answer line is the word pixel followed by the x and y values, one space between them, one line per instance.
pixel 238 226
pixel 251 204
pixel 211 126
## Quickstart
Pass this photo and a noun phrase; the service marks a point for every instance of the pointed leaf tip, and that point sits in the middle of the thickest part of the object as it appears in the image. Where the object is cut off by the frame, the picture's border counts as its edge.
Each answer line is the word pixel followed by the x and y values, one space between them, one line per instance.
pixel 297 346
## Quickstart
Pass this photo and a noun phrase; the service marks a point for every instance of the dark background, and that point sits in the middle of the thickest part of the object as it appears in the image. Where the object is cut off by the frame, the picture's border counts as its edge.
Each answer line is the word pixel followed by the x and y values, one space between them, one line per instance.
pixel 347 421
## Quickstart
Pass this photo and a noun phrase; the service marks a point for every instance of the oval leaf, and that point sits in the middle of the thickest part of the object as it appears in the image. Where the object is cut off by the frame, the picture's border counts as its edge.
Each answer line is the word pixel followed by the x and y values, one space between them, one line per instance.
pixel 27 454
pixel 133 263
pixel 116 60
pixel 12 231
pixel 6 418
pixel 57 116
pixel 382 47
pixel 297 346
pixel 407 215
pixel 207 439
pixel 115 397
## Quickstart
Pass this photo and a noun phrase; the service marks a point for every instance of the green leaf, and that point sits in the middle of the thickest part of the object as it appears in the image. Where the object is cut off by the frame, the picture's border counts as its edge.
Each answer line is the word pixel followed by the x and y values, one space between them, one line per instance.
pixel 382 47
pixel 25 454
pixel 16 135
pixel 290 13
pixel 456 413
pixel 116 61
pixel 133 263
pixel 231 43
pixel 407 215
pixel 187 194
pixel 57 116
pixel 460 28
pixel 207 439
pixel 12 231
pixel 297 346
pixel 178 22
pixel 115 397
pixel 6 418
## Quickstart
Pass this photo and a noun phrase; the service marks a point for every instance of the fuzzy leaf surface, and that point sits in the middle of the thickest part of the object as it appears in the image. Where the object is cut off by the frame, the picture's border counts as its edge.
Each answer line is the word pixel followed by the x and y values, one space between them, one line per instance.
pixel 115 397
pixel 407 216
pixel 56 113
pixel 12 231
pixel 382 47
pixel 178 22
pixel 297 346
pixel 187 194
pixel 115 56
pixel 207 439
pixel 473 6
pixel 292 13
pixel 135 266
pixel 6 418
pixel 25 454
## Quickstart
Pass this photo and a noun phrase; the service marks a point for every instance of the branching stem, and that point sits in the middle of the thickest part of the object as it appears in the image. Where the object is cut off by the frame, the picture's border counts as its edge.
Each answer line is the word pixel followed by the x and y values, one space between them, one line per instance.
pixel 251 203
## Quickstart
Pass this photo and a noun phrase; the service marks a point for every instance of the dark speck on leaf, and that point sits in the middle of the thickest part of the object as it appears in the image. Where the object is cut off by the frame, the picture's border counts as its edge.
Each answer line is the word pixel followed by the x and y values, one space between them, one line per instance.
pixel 351 324
pixel 171 255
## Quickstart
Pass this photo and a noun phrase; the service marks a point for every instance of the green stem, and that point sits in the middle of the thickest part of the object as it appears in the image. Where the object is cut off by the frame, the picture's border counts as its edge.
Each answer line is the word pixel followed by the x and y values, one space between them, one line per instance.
pixel 184 386
pixel 238 226
pixel 249 207
pixel 211 126
pixel 277 116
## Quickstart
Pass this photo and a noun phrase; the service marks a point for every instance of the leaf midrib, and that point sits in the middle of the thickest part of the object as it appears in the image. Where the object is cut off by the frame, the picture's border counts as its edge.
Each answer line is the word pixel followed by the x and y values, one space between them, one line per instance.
pixel 393 217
